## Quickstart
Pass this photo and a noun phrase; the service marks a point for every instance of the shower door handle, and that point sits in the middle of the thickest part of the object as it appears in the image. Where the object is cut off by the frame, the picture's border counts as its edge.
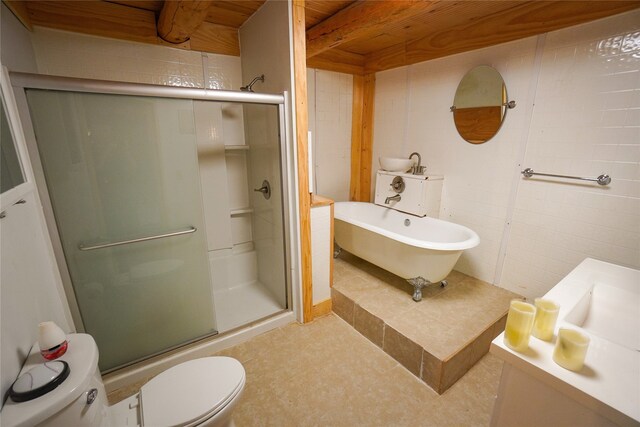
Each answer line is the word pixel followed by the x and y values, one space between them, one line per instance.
pixel 265 189
pixel 140 239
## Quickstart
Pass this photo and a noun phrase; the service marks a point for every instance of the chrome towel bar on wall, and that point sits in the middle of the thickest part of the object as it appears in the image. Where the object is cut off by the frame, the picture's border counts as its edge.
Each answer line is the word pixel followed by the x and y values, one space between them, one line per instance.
pixel 603 179
pixel 140 239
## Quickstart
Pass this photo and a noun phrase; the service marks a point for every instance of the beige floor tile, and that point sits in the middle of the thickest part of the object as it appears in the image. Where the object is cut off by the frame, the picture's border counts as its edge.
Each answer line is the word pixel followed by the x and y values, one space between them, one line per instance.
pixel 368 325
pixel 342 305
pixel 402 349
pixel 327 374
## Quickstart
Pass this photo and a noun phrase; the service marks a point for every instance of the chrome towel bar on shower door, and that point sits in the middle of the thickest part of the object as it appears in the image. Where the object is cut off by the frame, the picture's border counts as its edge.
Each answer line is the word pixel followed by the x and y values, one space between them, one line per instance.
pixel 140 239
pixel 603 179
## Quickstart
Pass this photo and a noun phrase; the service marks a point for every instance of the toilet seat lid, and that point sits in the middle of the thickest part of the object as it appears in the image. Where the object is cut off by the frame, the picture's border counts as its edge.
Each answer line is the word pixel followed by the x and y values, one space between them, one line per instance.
pixel 191 391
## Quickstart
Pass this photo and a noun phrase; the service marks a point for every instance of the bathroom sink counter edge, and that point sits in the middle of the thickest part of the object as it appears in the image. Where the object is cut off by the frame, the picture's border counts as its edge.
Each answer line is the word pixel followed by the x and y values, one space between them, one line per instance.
pixel 609 382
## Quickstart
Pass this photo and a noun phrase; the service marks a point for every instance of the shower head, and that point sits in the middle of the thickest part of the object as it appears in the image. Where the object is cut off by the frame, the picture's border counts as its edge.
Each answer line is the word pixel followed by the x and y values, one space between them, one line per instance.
pixel 249 87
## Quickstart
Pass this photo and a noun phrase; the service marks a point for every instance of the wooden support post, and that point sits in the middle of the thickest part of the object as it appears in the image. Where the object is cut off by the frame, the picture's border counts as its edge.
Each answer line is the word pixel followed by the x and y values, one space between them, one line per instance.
pixel 362 137
pixel 302 124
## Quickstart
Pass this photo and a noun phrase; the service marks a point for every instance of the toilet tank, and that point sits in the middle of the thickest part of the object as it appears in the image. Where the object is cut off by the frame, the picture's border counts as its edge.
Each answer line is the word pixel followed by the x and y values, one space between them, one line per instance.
pixel 69 403
pixel 420 196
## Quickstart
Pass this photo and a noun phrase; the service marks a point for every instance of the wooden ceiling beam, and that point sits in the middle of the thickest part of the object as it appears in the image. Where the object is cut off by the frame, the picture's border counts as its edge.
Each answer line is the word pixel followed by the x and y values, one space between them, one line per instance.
pixel 179 19
pixel 338 60
pixel 360 20
pixel 524 19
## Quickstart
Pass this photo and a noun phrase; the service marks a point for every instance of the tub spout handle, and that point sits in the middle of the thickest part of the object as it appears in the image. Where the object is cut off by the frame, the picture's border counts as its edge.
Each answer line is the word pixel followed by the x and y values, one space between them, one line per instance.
pixel 396 198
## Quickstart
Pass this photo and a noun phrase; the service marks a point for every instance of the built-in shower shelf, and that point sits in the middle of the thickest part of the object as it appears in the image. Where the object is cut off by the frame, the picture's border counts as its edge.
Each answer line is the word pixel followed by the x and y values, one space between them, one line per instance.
pixel 236 147
pixel 243 211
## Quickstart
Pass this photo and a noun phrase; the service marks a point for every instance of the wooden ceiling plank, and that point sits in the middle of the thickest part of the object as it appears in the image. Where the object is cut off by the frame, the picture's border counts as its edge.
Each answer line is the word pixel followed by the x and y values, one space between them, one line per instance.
pixel 21 11
pixel 152 5
pixel 96 18
pixel 222 16
pixel 179 19
pixel 338 60
pixel 361 20
pixel 232 14
pixel 319 10
pixel 524 19
pixel 214 38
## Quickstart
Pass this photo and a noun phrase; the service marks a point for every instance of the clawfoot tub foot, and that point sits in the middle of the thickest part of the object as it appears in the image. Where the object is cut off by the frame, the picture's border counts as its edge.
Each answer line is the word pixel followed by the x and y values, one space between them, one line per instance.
pixel 336 250
pixel 443 283
pixel 418 283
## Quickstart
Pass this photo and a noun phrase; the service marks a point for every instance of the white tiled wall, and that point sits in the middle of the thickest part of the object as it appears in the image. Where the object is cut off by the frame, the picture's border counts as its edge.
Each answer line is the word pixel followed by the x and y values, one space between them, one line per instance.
pixel 330 104
pixel 586 121
pixel 77 55
pixel 412 114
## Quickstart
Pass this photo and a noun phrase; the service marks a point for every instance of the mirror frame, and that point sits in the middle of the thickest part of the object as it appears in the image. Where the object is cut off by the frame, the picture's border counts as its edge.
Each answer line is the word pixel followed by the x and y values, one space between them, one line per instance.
pixel 481 119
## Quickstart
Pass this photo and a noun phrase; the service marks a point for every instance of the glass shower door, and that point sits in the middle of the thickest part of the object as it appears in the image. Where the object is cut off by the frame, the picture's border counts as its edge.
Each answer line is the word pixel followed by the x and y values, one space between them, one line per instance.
pixel 122 177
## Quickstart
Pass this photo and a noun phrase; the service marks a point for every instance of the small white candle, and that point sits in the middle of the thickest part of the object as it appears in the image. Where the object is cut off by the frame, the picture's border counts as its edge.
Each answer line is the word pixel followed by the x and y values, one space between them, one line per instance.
pixel 519 323
pixel 571 349
pixel 545 320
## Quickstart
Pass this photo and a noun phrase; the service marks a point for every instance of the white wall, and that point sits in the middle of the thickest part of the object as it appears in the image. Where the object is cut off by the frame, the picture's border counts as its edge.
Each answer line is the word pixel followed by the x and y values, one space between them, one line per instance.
pixel 330 104
pixel 321 252
pixel 266 49
pixel 412 114
pixel 30 286
pixel 69 54
pixel 586 122
pixel 586 92
pixel 17 52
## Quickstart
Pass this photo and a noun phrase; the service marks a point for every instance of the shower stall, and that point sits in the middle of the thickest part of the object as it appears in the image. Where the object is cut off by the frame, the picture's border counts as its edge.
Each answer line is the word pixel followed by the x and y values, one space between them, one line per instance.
pixel 165 206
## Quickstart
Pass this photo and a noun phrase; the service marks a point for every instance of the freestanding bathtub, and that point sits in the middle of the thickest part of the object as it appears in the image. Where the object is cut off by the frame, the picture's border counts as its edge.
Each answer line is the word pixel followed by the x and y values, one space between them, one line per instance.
pixel 420 250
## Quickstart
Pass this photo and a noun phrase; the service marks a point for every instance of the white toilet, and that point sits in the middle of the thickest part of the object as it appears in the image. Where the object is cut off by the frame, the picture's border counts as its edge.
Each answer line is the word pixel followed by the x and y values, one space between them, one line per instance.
pixel 199 392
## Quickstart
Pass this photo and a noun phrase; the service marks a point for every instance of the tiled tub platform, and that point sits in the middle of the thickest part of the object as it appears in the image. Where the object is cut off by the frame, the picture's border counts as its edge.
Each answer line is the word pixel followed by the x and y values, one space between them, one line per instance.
pixel 439 338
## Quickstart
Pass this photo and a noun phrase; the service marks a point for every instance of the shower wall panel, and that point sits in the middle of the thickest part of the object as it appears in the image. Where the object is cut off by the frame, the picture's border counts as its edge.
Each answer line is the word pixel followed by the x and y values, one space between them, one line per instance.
pixel 213 174
pixel 262 134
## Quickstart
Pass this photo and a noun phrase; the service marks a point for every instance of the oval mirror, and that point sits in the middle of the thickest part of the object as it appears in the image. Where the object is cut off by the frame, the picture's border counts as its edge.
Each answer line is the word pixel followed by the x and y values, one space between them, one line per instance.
pixel 480 104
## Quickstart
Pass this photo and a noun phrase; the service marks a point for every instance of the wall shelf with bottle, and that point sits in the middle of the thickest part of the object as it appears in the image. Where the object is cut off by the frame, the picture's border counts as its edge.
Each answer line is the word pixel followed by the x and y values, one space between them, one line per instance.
pixel 241 211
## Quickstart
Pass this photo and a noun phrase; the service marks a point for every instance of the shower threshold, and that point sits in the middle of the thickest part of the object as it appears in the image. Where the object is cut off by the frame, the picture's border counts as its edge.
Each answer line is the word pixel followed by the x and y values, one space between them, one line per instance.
pixel 243 304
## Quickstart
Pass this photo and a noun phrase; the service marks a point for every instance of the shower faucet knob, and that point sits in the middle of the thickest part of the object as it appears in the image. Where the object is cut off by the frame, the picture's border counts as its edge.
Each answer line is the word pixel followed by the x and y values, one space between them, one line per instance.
pixel 265 189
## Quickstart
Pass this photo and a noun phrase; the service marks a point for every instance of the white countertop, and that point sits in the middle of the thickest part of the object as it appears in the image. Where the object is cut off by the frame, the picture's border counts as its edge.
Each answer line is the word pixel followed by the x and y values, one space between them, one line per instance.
pixel 604 299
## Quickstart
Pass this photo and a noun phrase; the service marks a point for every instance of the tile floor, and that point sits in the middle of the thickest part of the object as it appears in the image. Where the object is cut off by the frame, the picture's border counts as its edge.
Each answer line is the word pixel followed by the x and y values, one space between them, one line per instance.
pixel 439 338
pixel 326 373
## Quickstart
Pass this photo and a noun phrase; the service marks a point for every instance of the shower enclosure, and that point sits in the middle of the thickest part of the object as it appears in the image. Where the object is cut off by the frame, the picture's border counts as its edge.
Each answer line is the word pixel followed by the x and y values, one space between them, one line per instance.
pixel 160 237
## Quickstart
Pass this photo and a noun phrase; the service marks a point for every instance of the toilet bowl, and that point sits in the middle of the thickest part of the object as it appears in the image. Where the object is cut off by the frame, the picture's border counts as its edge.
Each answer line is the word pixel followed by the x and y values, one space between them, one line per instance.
pixel 200 392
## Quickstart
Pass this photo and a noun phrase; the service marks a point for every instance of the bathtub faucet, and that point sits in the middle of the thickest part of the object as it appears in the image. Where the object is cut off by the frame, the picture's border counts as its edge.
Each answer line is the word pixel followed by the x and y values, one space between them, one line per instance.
pixel 388 199
pixel 417 169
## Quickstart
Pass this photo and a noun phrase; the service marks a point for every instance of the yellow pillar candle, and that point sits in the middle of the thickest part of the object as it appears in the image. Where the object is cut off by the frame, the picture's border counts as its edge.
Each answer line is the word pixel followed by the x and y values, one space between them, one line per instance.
pixel 519 324
pixel 545 320
pixel 571 349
